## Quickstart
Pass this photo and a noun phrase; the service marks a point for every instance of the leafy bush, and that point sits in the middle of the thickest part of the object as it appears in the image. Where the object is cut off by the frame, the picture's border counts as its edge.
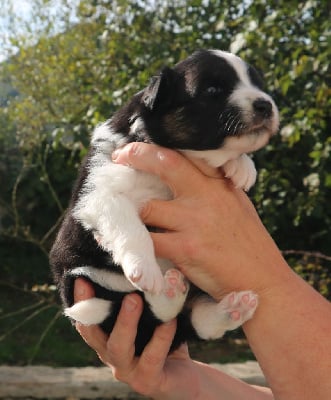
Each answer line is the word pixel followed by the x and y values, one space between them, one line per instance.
pixel 82 61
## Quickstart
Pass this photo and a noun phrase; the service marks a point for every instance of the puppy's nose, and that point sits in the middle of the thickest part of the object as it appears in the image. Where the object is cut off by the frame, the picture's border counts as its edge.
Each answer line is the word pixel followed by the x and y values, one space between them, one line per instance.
pixel 263 108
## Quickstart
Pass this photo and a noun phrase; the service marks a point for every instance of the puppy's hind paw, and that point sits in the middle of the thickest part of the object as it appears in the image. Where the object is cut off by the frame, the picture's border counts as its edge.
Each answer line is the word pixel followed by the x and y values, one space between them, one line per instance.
pixel 175 283
pixel 237 308
pixel 168 304
pixel 89 312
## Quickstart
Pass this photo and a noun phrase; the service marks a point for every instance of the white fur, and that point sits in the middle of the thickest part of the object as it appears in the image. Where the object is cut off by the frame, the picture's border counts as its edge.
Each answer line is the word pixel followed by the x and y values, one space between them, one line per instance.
pixel 241 171
pixel 233 147
pixel 89 312
pixel 211 319
pixel 138 125
pixel 109 205
pixel 107 279
pixel 169 303
pixel 233 158
pixel 243 97
pixel 95 311
pixel 245 93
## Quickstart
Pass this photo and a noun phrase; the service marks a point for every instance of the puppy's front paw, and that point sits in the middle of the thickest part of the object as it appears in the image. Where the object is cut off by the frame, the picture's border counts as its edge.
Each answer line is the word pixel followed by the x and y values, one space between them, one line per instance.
pixel 241 171
pixel 143 273
pixel 237 308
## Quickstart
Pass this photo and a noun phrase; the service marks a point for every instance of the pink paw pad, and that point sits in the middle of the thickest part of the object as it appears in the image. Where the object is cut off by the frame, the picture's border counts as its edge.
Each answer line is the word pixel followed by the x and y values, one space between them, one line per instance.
pixel 174 283
pixel 239 306
pixel 235 315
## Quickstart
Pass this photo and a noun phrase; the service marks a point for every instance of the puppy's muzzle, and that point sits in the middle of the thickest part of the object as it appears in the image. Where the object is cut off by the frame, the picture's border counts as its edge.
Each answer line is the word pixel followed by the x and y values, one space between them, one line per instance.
pixel 262 108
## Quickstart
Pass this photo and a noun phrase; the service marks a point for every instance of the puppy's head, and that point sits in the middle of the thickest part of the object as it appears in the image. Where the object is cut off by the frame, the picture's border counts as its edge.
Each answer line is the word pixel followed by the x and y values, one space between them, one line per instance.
pixel 210 101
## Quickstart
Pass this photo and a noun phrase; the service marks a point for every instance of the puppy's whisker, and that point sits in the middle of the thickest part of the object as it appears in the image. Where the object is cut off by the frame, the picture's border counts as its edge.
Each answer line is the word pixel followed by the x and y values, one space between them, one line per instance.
pixel 238 124
pixel 229 124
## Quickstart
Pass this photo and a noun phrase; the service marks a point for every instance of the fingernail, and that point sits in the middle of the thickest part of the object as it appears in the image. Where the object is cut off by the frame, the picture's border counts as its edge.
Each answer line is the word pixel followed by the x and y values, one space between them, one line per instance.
pixel 115 155
pixel 79 290
pixel 130 304
pixel 160 155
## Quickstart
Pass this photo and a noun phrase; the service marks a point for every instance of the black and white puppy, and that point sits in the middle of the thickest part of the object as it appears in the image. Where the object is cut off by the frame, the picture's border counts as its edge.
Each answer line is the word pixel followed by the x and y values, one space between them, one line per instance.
pixel 210 106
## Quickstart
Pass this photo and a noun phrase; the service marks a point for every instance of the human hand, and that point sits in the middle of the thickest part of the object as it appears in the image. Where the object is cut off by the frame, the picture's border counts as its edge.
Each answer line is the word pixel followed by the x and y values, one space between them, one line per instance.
pixel 154 373
pixel 211 230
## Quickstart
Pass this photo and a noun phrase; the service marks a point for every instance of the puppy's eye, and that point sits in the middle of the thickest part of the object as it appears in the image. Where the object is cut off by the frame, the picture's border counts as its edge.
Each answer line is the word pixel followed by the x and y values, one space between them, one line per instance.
pixel 213 91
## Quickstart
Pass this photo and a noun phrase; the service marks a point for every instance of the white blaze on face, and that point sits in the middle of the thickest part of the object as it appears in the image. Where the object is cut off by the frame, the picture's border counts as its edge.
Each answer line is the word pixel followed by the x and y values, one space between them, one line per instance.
pixel 245 93
pixel 242 97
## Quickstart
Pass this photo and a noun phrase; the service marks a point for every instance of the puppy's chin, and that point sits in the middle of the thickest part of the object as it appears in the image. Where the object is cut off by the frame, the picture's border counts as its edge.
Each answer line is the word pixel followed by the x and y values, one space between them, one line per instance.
pixel 232 148
pixel 247 143
pixel 204 166
pixel 266 128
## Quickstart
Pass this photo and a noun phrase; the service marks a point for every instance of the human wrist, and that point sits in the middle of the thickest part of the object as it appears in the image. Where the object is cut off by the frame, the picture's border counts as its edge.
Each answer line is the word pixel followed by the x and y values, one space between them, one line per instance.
pixel 261 273
pixel 181 387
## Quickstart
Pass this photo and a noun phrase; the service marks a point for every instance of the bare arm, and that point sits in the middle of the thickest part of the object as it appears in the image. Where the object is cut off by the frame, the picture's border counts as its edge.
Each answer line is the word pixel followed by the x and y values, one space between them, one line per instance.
pixel 216 238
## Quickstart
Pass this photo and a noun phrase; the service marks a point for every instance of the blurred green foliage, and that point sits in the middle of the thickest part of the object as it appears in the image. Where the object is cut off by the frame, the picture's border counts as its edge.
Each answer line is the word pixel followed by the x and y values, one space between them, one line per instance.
pixel 70 66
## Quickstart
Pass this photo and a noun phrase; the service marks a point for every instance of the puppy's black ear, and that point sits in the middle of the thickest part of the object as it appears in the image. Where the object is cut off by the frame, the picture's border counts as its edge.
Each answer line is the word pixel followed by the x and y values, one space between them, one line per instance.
pixel 160 90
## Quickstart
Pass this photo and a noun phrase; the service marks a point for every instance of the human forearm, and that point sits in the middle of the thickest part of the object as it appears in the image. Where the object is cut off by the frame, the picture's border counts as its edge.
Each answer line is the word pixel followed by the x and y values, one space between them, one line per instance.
pixel 290 331
pixel 216 385
pixel 290 336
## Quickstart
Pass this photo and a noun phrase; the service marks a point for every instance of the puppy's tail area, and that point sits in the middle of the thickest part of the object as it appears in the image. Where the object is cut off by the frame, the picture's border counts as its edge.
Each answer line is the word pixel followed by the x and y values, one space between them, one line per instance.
pixel 89 312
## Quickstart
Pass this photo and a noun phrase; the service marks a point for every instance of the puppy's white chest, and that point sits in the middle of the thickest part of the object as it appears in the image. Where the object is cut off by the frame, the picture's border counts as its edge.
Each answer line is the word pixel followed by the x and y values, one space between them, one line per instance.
pixel 139 187
pixel 111 180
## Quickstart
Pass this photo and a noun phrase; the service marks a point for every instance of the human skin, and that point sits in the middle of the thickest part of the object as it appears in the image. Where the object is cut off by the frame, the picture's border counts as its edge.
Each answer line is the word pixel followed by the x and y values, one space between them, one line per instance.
pixel 155 374
pixel 215 237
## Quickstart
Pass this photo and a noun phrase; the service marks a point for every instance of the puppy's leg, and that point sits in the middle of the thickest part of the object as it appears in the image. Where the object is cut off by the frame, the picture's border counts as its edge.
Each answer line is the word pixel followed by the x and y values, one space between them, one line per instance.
pixel 120 232
pixel 211 319
pixel 167 305
pixel 241 171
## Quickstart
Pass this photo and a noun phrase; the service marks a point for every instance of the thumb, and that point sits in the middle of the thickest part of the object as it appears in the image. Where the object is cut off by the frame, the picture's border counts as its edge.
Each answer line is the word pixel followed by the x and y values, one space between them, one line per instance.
pixel 177 172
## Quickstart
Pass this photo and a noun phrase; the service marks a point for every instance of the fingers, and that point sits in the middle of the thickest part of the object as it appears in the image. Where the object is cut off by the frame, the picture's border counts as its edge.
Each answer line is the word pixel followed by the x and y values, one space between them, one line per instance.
pixel 153 358
pixel 117 350
pixel 168 245
pixel 121 343
pixel 83 290
pixel 163 214
pixel 144 374
pixel 94 337
pixel 174 169
pixel 148 375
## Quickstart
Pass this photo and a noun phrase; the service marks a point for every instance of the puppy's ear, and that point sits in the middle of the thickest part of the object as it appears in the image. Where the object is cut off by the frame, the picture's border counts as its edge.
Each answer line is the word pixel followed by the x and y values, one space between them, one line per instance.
pixel 160 90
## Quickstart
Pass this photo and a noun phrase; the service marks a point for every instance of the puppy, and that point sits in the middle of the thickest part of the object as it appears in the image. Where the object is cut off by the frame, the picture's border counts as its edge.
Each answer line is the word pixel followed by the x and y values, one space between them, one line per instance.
pixel 210 106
